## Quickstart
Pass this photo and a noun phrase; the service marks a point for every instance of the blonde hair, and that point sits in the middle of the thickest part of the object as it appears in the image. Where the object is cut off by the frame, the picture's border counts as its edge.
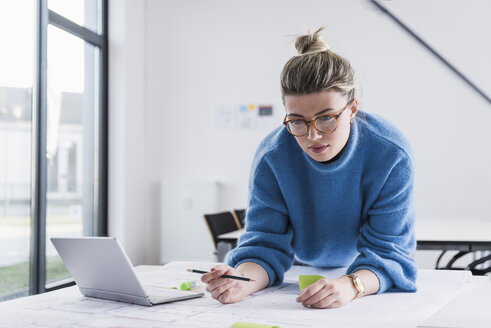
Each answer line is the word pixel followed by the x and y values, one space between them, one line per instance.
pixel 316 68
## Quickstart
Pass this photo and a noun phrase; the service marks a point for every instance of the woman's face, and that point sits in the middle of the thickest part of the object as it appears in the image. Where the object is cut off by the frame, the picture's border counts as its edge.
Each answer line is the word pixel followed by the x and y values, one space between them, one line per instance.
pixel 319 146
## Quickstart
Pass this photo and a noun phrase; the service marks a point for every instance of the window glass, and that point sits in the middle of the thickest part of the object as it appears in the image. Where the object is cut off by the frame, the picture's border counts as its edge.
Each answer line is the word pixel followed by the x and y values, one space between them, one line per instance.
pixel 16 81
pixel 82 12
pixel 71 145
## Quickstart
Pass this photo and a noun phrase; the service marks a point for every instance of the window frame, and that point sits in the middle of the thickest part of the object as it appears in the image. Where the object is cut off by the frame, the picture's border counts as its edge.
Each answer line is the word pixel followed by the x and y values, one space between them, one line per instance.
pixel 45 17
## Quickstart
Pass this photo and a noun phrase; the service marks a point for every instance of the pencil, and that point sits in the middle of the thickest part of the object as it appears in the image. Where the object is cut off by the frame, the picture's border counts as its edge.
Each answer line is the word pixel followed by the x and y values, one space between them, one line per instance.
pixel 224 276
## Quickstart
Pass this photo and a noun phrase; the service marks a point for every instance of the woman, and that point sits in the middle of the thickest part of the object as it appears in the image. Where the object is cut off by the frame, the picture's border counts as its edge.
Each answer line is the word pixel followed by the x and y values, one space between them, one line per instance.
pixel 332 189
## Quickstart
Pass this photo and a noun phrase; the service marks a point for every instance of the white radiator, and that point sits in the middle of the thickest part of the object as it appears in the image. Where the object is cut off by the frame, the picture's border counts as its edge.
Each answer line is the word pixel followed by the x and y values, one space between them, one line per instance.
pixel 184 234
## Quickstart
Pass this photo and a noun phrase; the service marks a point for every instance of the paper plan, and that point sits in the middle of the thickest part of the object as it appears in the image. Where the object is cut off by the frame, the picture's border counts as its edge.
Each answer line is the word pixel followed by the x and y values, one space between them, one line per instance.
pixel 275 305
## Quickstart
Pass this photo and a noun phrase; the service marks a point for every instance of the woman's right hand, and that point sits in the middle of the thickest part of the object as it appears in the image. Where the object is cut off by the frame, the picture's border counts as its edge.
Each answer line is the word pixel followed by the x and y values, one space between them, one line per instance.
pixel 225 290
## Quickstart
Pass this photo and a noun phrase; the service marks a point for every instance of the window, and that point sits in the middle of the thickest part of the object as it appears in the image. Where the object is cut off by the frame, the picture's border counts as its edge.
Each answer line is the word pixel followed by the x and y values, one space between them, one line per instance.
pixel 16 85
pixel 53 136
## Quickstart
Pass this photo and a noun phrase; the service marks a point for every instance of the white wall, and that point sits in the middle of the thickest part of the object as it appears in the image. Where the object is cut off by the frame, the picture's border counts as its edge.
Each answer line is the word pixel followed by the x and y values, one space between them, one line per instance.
pixel 174 62
pixel 129 190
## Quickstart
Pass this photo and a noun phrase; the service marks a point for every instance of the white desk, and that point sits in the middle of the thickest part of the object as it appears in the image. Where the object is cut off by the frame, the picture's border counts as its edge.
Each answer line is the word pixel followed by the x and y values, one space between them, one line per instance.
pixel 275 305
pixel 231 236
pixel 469 309
pixel 465 234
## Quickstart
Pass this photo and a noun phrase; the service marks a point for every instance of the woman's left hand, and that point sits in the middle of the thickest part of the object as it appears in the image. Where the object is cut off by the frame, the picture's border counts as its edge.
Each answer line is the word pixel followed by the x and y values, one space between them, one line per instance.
pixel 328 293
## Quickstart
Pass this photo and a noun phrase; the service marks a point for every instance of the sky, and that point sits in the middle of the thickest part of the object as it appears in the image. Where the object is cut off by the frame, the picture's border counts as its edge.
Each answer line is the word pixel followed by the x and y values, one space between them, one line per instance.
pixel 17 55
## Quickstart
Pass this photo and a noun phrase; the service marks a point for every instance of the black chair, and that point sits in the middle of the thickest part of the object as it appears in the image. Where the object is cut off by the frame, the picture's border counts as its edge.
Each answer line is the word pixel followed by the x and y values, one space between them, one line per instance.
pixel 220 223
pixel 240 215
pixel 471 266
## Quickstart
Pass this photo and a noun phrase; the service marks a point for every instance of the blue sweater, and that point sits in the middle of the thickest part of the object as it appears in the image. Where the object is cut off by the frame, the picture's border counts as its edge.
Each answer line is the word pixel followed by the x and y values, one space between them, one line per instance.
pixel 356 211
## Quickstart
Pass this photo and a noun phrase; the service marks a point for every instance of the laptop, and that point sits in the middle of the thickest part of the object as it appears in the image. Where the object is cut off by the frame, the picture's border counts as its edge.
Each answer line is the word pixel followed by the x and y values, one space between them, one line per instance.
pixel 101 269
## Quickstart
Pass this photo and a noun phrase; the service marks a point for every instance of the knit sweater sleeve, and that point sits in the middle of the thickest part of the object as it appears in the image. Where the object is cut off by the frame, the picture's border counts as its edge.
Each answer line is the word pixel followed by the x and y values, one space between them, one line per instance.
pixel 268 236
pixel 387 239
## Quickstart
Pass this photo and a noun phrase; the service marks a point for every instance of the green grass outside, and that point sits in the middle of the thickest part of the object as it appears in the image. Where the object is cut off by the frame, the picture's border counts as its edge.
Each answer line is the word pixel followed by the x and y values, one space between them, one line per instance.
pixel 55 269
pixel 16 277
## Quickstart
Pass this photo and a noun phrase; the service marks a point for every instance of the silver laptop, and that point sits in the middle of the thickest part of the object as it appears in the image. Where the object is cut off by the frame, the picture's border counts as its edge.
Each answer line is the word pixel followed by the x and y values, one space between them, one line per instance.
pixel 101 269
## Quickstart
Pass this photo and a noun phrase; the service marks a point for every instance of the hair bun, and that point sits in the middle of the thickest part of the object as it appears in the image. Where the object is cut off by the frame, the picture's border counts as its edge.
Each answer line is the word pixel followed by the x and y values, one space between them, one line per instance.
pixel 311 42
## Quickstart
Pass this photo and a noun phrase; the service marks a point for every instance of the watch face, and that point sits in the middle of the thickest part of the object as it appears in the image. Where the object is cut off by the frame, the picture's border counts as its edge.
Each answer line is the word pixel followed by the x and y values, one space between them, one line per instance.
pixel 358 284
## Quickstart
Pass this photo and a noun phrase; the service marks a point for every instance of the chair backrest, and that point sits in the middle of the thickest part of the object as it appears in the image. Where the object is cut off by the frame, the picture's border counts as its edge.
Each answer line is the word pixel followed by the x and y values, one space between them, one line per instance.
pixel 220 223
pixel 240 215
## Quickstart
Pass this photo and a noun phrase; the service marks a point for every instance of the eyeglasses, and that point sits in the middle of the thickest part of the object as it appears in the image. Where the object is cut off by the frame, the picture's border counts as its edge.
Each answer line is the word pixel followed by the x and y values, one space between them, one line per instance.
pixel 299 127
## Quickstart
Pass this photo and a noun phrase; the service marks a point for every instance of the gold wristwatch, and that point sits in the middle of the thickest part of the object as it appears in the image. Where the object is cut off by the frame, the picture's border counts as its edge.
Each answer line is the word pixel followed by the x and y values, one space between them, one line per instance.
pixel 358 284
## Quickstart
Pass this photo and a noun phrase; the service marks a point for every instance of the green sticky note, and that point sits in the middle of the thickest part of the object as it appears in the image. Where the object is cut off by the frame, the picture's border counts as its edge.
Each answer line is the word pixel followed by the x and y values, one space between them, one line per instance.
pixel 307 280
pixel 252 325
